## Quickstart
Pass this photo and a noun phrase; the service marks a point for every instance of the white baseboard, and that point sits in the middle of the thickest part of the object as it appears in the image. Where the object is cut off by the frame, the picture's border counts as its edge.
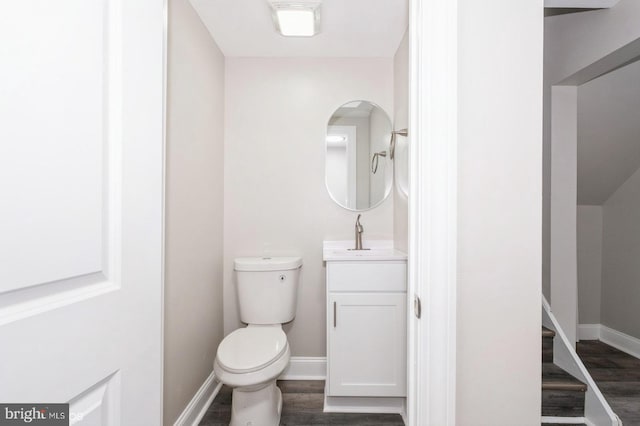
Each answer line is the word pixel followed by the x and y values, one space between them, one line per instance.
pixel 197 407
pixel 299 368
pixel 619 340
pixel 611 337
pixel 405 419
pixel 589 331
pixel 305 368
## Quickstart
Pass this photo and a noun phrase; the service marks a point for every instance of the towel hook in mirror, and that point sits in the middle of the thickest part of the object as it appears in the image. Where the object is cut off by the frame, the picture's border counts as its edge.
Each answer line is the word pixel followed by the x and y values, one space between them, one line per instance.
pixel 375 159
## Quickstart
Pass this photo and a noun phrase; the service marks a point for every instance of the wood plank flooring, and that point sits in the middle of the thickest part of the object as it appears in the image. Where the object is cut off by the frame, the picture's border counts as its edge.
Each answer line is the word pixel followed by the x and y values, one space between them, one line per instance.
pixel 617 374
pixel 302 405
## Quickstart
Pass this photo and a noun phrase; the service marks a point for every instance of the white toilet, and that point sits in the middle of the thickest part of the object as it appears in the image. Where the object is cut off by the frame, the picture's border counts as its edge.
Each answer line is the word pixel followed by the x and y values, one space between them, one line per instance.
pixel 250 359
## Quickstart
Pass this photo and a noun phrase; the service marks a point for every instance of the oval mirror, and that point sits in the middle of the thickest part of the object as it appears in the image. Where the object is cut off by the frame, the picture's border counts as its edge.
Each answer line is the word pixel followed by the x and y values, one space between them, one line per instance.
pixel 359 170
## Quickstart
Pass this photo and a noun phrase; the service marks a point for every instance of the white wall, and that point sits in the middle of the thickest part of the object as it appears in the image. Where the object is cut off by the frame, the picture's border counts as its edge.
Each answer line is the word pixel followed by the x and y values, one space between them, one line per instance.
pixel 275 197
pixel 620 266
pixel 608 129
pixel 573 42
pixel 499 212
pixel 194 192
pixel 380 134
pixel 401 163
pixel 363 182
pixel 589 233
pixel 338 173
pixel 563 266
pixel 608 154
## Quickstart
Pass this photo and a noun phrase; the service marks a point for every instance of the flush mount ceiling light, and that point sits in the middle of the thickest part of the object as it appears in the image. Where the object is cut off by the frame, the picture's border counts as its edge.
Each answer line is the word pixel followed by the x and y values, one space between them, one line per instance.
pixel 336 138
pixel 300 18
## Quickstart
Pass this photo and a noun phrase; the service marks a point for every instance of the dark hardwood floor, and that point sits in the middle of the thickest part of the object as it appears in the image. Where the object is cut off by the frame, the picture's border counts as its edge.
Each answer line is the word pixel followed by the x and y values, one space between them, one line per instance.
pixel 302 405
pixel 617 374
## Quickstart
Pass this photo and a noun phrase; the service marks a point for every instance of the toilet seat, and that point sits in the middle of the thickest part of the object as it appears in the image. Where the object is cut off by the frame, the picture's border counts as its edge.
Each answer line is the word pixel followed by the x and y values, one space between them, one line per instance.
pixel 251 349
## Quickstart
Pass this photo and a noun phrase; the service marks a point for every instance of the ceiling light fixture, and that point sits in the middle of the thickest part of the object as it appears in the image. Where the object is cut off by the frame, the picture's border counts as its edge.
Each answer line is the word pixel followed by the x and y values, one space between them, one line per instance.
pixel 336 138
pixel 300 18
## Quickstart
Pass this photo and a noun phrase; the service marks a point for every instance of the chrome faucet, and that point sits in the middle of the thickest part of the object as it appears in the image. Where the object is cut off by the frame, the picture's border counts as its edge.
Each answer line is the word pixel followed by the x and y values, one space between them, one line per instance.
pixel 359 231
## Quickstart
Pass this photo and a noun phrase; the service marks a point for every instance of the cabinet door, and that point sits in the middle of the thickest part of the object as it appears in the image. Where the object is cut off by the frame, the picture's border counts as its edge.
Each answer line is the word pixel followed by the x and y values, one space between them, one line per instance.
pixel 367 344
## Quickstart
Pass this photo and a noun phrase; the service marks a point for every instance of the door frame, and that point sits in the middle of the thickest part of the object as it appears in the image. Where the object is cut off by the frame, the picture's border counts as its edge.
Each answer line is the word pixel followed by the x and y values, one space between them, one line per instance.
pixel 563 260
pixel 163 236
pixel 431 397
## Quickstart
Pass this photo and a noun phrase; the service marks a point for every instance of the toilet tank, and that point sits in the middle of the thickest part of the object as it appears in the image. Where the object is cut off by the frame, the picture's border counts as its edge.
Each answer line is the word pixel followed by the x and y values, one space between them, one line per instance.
pixel 267 288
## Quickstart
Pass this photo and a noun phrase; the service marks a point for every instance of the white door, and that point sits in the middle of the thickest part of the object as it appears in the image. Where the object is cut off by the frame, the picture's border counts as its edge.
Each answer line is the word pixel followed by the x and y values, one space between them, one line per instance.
pixel 81 204
pixel 341 164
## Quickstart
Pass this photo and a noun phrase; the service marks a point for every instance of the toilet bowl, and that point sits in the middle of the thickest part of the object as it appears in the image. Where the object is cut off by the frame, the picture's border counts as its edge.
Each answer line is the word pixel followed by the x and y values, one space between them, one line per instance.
pixel 250 359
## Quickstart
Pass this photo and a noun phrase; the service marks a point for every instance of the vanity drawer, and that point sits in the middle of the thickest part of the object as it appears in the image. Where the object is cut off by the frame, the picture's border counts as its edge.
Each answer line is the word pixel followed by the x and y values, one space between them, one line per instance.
pixel 367 276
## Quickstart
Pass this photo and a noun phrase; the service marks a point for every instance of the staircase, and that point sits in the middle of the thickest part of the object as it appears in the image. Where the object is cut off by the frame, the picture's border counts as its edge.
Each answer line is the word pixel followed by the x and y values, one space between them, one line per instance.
pixel 563 395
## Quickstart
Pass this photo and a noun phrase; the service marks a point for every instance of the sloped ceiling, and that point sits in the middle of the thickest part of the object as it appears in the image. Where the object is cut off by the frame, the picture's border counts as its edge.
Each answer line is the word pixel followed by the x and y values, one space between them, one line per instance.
pixel 349 28
pixel 608 133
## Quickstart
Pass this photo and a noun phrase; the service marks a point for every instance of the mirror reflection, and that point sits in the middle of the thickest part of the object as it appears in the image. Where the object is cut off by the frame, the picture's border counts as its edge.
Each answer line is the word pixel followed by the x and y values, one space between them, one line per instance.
pixel 359 170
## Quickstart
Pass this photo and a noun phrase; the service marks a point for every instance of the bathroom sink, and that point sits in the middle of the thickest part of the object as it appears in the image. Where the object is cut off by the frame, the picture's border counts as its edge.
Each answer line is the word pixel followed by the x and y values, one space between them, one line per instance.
pixel 374 250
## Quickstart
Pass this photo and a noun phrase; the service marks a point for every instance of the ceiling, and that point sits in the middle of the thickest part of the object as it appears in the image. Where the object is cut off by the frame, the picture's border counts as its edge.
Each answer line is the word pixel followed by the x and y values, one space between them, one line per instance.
pixel 349 28
pixel 608 133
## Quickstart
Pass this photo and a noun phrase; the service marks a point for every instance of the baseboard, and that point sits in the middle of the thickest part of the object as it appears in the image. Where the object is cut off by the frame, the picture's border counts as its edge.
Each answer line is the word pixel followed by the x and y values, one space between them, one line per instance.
pixel 611 337
pixel 589 331
pixel 403 414
pixel 619 340
pixel 305 368
pixel 299 368
pixel 197 407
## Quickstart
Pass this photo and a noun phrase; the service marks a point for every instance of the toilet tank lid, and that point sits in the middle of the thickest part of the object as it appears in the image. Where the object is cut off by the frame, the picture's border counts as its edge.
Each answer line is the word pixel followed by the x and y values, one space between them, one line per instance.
pixel 267 263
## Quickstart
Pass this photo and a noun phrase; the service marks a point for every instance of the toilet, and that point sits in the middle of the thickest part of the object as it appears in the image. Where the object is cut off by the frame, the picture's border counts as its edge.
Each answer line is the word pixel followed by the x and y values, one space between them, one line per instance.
pixel 250 359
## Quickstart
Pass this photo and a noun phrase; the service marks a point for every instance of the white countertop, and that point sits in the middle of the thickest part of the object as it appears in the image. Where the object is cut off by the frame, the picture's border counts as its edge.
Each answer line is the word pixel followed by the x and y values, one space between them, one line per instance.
pixel 374 250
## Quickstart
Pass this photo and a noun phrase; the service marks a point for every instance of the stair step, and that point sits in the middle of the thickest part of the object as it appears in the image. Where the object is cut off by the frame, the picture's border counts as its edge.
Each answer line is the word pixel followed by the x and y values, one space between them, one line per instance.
pixel 555 378
pixel 547 332
pixel 562 394
pixel 547 344
pixel 563 424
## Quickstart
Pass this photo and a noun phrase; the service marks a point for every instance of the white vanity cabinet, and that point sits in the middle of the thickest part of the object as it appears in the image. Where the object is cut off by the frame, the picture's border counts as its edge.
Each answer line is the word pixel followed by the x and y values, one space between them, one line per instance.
pixel 366 325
